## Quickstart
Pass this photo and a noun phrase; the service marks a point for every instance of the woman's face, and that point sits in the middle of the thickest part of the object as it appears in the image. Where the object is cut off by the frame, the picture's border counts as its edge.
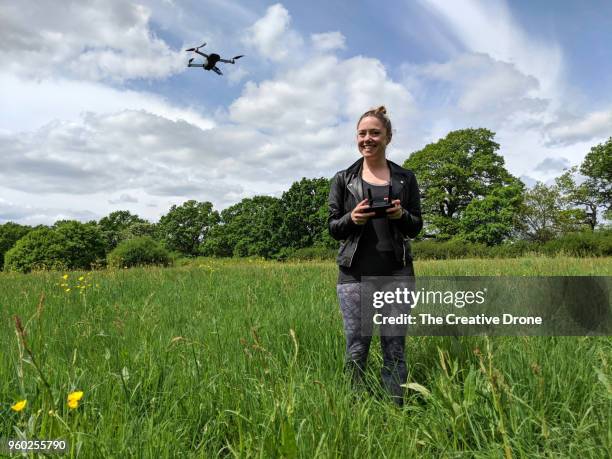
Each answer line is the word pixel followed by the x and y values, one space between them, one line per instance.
pixel 371 137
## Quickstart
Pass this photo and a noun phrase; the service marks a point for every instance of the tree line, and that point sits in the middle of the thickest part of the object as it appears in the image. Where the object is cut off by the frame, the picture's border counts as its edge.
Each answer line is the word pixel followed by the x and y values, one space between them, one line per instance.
pixel 468 196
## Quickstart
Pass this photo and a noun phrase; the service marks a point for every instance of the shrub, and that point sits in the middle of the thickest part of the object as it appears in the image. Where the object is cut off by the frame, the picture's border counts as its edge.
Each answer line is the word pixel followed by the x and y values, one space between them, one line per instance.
pixel 82 243
pixel 312 253
pixel 68 245
pixel 39 249
pixel 513 249
pixel 139 251
pixel 585 244
pixel 10 233
pixel 435 250
pixel 594 244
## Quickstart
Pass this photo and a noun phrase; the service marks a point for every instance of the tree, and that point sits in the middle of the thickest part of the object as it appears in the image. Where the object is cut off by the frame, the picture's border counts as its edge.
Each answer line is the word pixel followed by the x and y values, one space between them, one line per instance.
pixel 138 251
pixel 247 228
pixel 39 249
pixel 304 214
pixel 597 167
pixel 115 227
pixel 594 193
pixel 186 226
pixel 10 233
pixel 82 243
pixel 579 197
pixel 138 229
pixel 462 167
pixel 493 218
pixel 545 215
pixel 67 245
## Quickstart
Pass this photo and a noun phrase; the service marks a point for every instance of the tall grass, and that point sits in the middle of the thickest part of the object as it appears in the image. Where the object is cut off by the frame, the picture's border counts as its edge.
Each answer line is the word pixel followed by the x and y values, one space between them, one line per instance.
pixel 235 358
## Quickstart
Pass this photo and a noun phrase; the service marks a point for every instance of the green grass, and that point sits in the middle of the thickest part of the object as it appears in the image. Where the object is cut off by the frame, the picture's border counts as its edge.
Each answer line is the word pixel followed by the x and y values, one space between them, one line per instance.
pixel 239 358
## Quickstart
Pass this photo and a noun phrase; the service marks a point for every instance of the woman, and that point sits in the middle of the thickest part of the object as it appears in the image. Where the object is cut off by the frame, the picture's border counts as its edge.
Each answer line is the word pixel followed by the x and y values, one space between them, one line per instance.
pixel 373 246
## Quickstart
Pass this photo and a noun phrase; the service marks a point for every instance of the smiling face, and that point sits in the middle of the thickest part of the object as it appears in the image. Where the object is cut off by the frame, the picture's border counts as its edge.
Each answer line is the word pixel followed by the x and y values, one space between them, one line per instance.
pixel 372 138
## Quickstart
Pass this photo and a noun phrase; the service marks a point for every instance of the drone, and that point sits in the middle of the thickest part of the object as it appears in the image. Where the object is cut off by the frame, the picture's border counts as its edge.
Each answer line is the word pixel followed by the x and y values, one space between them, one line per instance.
pixel 210 60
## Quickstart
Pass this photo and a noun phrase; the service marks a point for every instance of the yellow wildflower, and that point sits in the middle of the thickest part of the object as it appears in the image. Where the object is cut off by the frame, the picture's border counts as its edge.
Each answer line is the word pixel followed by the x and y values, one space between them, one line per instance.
pixel 67 290
pixel 19 405
pixel 78 395
pixel 65 276
pixel 81 278
pixel 73 399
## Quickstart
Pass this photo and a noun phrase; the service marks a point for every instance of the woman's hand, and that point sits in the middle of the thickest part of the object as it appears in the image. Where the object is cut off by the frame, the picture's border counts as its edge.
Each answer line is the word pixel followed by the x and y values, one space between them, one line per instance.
pixel 395 213
pixel 359 216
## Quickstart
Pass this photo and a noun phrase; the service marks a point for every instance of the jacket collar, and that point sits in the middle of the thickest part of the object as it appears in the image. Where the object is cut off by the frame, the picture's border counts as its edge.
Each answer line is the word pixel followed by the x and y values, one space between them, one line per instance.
pixel 355 183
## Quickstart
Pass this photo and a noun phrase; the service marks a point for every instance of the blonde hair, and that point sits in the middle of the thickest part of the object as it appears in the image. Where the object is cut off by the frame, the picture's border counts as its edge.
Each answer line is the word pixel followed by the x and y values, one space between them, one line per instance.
pixel 380 114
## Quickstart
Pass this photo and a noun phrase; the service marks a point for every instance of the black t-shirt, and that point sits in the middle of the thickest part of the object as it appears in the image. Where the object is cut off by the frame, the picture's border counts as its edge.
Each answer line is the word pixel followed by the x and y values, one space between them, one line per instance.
pixel 374 255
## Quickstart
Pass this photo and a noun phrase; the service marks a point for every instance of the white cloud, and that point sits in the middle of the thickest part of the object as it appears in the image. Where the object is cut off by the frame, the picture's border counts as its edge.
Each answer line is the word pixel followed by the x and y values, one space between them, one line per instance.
pixel 272 36
pixel 527 81
pixel 107 153
pixel 99 39
pixel 235 76
pixel 476 88
pixel 570 129
pixel 320 94
pixel 29 104
pixel 36 215
pixel 488 27
pixel 552 165
pixel 508 81
pixel 524 150
pixel 326 97
pixel 328 41
pixel 124 198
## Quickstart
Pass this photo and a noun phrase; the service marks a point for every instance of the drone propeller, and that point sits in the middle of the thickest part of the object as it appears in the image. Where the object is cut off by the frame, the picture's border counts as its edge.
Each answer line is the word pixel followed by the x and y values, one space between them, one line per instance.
pixel 238 57
pixel 195 49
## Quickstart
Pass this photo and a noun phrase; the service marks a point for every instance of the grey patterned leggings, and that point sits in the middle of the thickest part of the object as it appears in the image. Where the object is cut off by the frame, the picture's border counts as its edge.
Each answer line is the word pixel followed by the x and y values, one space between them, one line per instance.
pixel 393 372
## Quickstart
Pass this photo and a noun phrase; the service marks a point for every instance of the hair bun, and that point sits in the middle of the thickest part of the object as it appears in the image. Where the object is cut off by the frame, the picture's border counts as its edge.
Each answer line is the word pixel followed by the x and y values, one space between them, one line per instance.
pixel 381 109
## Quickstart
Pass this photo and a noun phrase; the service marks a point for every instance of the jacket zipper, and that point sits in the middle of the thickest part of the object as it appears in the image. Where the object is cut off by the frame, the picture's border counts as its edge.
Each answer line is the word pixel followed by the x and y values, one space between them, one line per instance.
pixel 355 249
pixel 360 231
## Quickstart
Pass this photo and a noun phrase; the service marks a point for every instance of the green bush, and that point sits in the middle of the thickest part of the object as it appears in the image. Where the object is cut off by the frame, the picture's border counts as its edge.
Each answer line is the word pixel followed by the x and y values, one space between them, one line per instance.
pixel 513 249
pixel 592 244
pixel 434 250
pixel 10 233
pixel 585 244
pixel 82 243
pixel 39 249
pixel 312 253
pixel 139 251
pixel 68 245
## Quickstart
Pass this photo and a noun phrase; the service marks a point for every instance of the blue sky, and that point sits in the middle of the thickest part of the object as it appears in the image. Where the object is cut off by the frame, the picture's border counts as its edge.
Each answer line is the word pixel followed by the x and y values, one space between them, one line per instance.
pixel 99 113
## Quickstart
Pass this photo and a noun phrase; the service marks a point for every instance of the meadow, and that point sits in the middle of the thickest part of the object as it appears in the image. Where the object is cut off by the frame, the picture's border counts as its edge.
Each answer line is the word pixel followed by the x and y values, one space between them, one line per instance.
pixel 245 358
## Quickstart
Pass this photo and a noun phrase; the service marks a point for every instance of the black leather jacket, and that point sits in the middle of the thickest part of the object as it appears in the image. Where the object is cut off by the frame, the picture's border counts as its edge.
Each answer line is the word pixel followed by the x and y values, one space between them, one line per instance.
pixel 347 191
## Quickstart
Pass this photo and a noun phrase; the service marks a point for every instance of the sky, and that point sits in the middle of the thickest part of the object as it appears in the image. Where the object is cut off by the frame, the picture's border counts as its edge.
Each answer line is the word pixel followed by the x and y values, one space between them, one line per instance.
pixel 98 111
